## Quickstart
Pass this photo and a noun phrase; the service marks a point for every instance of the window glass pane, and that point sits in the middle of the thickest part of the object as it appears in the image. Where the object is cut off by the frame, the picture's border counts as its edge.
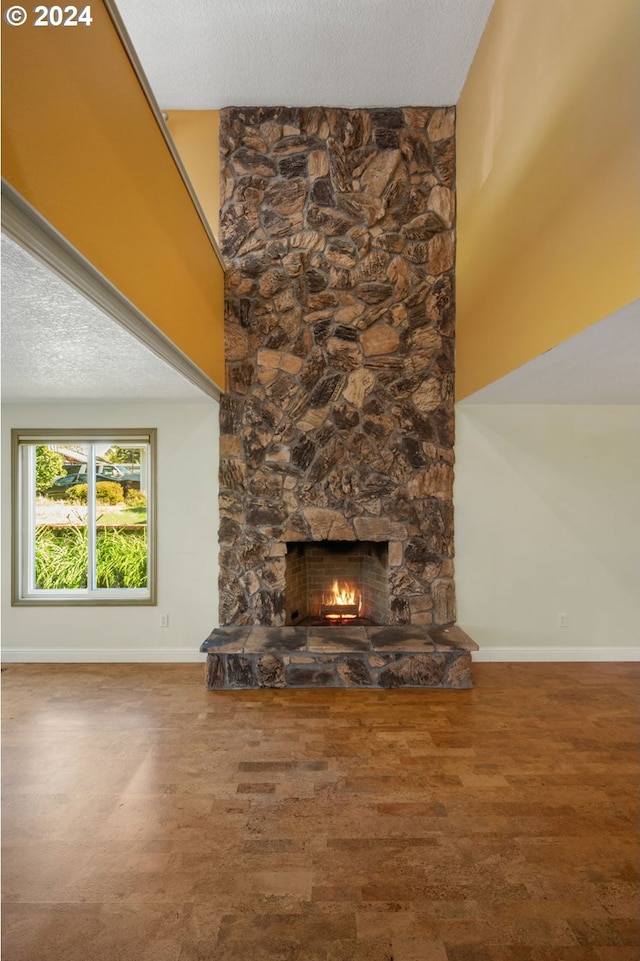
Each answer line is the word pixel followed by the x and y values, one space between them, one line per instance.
pixel 84 517
pixel 121 516
pixel 59 495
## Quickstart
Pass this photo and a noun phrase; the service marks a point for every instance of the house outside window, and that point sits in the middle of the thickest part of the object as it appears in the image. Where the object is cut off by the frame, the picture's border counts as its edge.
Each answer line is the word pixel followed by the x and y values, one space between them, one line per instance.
pixel 84 516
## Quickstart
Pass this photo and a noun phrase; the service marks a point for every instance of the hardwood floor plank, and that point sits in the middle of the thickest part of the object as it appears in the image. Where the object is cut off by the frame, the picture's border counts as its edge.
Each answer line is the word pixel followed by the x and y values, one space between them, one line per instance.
pixel 147 819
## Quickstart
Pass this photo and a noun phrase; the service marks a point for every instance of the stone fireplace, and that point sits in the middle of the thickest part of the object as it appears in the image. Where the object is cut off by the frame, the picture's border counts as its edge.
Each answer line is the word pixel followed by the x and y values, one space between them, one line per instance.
pixel 337 227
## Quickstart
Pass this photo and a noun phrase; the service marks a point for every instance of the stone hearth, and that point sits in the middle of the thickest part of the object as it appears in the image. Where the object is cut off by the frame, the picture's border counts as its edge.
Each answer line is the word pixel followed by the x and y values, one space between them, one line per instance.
pixel 363 657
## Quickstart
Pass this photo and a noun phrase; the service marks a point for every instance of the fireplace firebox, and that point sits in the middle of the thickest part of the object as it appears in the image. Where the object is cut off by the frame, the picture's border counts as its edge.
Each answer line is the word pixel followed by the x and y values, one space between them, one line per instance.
pixel 337 582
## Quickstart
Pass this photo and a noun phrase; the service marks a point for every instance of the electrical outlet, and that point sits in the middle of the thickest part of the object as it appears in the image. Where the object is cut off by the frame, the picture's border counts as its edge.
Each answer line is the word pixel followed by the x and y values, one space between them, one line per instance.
pixel 562 620
pixel 164 620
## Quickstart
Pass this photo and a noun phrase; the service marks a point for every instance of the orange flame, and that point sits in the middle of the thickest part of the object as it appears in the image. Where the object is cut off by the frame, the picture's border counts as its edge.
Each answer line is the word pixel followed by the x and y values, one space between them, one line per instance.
pixel 342 594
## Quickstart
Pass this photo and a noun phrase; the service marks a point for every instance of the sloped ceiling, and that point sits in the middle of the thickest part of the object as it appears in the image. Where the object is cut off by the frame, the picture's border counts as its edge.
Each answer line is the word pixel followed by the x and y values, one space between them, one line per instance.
pixel 600 365
pixel 210 53
pixel 205 54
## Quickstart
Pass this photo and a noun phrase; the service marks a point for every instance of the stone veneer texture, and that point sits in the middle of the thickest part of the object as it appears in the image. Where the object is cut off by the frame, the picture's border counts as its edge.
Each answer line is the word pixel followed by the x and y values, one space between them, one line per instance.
pixel 337 227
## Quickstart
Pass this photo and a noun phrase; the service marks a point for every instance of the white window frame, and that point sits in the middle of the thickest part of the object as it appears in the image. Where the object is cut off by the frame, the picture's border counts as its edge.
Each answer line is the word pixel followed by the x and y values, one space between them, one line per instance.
pixel 24 591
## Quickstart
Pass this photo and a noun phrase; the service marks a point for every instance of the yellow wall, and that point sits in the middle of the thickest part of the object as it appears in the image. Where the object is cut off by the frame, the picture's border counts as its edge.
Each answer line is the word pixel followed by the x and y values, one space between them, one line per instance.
pixel 195 135
pixel 81 144
pixel 548 188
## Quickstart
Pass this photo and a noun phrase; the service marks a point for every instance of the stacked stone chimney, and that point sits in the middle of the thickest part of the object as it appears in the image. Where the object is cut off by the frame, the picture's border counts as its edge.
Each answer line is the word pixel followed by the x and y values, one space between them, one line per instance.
pixel 337 227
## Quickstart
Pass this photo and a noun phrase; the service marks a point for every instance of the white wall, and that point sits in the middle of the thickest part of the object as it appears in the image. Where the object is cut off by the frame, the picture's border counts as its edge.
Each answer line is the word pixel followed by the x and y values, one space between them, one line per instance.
pixel 187 537
pixel 547 516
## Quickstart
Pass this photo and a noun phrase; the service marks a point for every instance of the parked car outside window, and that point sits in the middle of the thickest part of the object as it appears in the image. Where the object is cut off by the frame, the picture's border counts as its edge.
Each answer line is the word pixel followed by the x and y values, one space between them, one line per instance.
pixel 62 485
pixel 117 472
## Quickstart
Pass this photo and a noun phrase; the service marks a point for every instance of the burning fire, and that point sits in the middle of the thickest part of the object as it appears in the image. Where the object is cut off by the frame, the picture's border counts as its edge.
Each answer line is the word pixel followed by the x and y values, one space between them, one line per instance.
pixel 341 595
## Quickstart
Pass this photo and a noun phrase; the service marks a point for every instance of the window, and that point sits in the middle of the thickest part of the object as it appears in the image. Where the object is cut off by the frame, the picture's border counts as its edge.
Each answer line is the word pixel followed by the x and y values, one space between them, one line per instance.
pixel 84 515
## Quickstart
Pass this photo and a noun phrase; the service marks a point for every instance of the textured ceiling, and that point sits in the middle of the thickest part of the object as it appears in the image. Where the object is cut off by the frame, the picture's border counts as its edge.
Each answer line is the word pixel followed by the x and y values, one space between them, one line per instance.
pixel 57 346
pixel 204 54
pixel 210 53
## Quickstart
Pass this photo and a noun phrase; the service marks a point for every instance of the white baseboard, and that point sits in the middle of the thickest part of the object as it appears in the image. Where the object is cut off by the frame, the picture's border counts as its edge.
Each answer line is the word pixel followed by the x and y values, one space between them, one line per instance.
pixel 74 655
pixel 494 654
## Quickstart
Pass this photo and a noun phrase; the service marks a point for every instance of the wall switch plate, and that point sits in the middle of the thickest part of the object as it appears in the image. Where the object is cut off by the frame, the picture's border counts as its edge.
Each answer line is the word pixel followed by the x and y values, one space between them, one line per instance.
pixel 562 620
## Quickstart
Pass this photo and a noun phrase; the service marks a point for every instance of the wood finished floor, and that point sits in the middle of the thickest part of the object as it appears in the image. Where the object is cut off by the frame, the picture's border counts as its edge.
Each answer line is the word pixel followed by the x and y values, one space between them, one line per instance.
pixel 146 819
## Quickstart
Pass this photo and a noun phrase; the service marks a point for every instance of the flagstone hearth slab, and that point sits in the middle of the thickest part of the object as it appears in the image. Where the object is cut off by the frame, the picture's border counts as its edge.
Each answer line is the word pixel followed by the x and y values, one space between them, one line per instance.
pixel 275 639
pixel 332 639
pixel 367 657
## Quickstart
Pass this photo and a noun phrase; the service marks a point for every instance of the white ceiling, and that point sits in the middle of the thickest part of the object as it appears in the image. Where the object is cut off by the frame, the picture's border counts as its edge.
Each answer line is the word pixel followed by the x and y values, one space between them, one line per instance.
pixel 205 54
pixel 211 53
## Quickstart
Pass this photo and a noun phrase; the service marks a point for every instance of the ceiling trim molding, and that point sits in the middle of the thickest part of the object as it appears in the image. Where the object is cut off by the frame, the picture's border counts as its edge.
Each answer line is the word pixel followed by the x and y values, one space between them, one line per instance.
pixel 134 60
pixel 23 224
